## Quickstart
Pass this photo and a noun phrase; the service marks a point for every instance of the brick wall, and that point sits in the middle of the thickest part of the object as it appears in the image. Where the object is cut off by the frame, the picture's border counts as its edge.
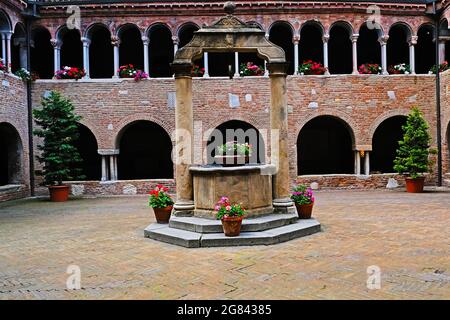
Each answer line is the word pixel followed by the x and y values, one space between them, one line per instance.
pixel 363 102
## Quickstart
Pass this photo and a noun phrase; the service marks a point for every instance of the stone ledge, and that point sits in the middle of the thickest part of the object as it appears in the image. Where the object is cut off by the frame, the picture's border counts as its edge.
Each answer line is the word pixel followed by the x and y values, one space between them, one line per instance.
pixel 190 239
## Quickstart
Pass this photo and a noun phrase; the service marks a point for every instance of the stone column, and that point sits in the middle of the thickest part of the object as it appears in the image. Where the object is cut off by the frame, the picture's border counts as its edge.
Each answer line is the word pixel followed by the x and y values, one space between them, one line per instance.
pixel 115 41
pixel 104 168
pixel 383 42
pixel 325 39
pixel 354 39
pixel 112 168
pixel 86 43
pixel 236 64
pixel 279 137
pixel 441 50
pixel 8 51
pixel 109 155
pixel 3 36
pixel 206 65
pixel 357 163
pixel 184 144
pixel 367 163
pixel 146 42
pixel 412 54
pixel 176 41
pixel 56 54
pixel 23 53
pixel 295 41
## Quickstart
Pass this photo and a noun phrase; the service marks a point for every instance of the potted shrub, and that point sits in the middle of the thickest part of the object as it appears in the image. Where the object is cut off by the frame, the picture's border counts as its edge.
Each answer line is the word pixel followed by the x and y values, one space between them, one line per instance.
pixel 233 154
pixel 70 73
pixel 304 201
pixel 161 203
pixel 250 69
pixel 310 67
pixel 60 158
pixel 26 75
pixel 412 154
pixel 129 71
pixel 231 216
pixel 370 68
pixel 197 71
pixel 442 67
pixel 401 68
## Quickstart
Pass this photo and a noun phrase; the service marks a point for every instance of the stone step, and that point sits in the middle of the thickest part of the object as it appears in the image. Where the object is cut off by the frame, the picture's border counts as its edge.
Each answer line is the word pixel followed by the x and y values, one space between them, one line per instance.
pixel 202 225
pixel 191 239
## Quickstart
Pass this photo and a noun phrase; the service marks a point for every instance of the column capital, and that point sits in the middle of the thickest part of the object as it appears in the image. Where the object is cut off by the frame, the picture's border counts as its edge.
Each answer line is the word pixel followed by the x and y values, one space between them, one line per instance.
pixel 354 37
pixel 175 40
pixel 182 69
pixel 413 40
pixel 296 39
pixel 383 40
pixel 55 43
pixel 325 38
pixel 86 41
pixel 277 68
pixel 267 36
pixel 145 40
pixel 8 35
pixel 115 41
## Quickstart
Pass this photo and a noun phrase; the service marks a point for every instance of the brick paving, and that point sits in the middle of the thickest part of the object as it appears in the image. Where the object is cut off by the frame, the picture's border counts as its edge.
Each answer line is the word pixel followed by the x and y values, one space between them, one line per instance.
pixel 405 235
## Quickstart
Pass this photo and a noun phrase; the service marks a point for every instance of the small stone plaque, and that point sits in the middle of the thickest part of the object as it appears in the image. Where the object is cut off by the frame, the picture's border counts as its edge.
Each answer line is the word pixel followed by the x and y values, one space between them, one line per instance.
pixel 171 98
pixel 313 105
pixel 233 100
pixel 5 83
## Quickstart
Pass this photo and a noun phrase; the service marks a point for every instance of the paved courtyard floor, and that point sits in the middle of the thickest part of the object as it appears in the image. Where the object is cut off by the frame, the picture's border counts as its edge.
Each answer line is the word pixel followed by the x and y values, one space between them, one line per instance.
pixel 405 235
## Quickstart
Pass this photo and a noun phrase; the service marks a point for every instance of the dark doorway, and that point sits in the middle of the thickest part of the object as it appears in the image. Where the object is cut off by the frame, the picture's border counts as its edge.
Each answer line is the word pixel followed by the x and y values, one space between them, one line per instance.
pixel 425 49
pixel 18 48
pixel 101 56
pixel 311 43
pixel 87 147
pixel 340 50
pixel 219 62
pixel 42 53
pixel 236 130
pixel 10 155
pixel 324 146
pixel 281 35
pixel 369 49
pixel 71 49
pixel 385 143
pixel 160 51
pixel 145 152
pixel 397 45
pixel 131 50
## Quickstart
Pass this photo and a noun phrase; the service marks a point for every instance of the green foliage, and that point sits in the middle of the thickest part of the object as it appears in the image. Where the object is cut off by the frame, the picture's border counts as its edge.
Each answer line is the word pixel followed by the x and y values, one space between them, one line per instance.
pixel 159 198
pixel 413 150
pixel 302 195
pixel 58 128
pixel 225 209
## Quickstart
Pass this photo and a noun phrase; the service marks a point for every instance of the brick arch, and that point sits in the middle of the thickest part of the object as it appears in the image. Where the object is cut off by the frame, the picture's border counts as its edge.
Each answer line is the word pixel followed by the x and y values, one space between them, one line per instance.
pixel 180 27
pixel 230 117
pixel 283 22
pixel 375 124
pixel 313 22
pixel 379 31
pixel 125 26
pixel 346 24
pixel 91 28
pixel 125 122
pixel 93 128
pixel 404 25
pixel 348 122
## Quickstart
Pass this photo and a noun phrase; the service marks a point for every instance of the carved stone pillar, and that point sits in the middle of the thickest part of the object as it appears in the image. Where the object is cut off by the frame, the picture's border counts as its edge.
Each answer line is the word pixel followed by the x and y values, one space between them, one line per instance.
pixel 383 42
pixel 325 39
pixel 86 43
pixel 184 144
pixel 56 54
pixel 354 39
pixel 279 137
pixel 412 54
pixel 206 65
pixel 295 41
pixel 115 41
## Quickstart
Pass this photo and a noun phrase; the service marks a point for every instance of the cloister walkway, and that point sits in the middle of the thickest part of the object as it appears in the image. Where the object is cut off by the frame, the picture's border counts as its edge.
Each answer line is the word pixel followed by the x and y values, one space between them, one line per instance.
pixel 405 235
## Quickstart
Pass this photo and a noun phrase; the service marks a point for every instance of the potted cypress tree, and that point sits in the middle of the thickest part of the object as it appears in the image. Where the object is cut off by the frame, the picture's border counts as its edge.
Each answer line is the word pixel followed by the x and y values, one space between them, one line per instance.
pixel 412 153
pixel 60 158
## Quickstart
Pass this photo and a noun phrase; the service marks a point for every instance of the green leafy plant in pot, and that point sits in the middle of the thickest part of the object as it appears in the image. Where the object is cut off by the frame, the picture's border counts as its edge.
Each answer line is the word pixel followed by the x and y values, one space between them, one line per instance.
pixel 161 202
pixel 304 201
pixel 57 126
pixel 231 216
pixel 412 158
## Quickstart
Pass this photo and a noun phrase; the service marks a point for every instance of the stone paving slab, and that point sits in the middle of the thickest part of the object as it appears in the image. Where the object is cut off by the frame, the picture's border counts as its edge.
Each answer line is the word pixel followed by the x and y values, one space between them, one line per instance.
pixel 405 235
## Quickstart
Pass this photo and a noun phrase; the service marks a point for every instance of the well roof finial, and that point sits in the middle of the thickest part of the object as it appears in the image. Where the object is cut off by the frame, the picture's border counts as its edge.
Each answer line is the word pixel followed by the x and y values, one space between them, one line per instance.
pixel 229 7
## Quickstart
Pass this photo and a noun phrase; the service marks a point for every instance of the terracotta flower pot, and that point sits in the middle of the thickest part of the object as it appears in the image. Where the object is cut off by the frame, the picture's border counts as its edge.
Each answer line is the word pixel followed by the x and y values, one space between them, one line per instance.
pixel 58 193
pixel 232 226
pixel 415 185
pixel 231 160
pixel 304 211
pixel 163 214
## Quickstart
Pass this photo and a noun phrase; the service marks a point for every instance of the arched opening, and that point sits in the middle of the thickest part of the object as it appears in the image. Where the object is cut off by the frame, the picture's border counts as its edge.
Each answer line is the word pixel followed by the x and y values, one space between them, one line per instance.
pixel 425 49
pixel 324 146
pixel 369 49
pixel 101 57
pixel 311 43
pixel 385 144
pixel 145 152
pixel 10 155
pixel 131 50
pixel 160 51
pixel 5 27
pixel 86 145
pixel 281 34
pixel 397 45
pixel 18 48
pixel 71 48
pixel 185 35
pixel 340 50
pixel 41 53
pixel 240 131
